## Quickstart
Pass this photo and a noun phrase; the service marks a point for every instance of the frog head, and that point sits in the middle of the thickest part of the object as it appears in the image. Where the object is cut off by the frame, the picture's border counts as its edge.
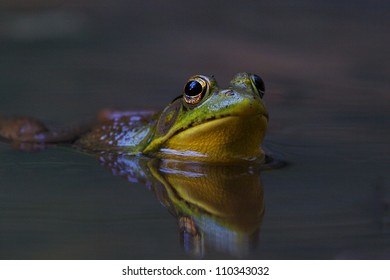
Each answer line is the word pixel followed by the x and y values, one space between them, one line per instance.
pixel 211 124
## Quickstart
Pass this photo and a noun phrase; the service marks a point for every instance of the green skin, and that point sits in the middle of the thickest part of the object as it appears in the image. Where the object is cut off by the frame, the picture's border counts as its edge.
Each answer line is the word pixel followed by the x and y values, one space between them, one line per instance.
pixel 147 132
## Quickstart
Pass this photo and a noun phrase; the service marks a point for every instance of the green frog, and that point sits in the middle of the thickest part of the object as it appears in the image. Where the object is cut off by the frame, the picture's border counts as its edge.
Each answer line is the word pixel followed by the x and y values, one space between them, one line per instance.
pixel 204 124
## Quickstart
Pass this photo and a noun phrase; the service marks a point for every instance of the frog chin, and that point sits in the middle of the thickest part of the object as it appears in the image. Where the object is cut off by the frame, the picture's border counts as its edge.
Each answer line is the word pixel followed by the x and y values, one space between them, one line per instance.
pixel 226 139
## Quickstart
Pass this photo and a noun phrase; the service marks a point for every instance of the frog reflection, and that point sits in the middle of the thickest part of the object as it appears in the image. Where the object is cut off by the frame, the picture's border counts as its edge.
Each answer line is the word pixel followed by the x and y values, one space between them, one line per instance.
pixel 218 207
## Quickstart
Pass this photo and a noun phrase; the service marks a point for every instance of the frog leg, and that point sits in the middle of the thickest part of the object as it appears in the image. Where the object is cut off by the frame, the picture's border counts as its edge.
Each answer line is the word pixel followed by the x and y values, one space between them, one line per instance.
pixel 21 129
pixel 31 130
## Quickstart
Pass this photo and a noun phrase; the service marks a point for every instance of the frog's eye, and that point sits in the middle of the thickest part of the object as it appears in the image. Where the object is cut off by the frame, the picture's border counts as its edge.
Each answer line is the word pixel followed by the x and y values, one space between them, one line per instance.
pixel 194 90
pixel 259 84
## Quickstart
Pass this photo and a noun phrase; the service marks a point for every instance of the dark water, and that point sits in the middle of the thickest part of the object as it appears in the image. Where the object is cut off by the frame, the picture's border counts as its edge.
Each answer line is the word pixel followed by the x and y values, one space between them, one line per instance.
pixel 326 68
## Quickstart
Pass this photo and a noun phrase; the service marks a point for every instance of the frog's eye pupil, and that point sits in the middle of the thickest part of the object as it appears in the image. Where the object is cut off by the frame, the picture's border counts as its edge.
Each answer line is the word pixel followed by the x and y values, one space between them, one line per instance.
pixel 193 88
pixel 259 84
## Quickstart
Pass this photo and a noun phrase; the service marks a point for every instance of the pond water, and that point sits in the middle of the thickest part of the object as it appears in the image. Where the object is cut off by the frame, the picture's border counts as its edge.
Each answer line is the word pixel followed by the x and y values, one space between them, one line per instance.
pixel 326 67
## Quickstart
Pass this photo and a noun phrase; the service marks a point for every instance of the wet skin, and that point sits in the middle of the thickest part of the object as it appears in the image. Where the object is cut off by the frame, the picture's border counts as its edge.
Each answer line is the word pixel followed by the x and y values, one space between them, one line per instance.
pixel 204 124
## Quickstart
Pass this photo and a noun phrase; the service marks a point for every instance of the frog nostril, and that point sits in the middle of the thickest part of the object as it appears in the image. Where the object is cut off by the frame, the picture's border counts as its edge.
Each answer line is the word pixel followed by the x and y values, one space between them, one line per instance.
pixel 229 92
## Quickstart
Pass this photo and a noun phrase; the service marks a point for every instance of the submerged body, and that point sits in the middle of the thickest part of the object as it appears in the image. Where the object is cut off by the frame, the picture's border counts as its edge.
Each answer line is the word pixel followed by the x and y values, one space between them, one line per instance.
pixel 206 124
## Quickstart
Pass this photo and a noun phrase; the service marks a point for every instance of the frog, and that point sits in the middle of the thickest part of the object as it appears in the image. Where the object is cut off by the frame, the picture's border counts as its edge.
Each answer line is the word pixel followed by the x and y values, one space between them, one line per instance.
pixel 205 123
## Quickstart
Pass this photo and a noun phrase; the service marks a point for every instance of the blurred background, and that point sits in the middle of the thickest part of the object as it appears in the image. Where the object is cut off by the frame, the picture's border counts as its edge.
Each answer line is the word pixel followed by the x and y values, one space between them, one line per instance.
pixel 326 68
pixel 57 57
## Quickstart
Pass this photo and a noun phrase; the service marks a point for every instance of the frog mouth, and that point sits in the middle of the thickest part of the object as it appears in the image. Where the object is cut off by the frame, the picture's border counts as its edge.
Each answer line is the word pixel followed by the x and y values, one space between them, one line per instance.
pixel 216 118
pixel 222 130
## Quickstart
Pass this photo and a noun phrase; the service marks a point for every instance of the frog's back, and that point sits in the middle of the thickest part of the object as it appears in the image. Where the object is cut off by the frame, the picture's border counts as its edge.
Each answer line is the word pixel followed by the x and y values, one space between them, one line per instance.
pixel 122 134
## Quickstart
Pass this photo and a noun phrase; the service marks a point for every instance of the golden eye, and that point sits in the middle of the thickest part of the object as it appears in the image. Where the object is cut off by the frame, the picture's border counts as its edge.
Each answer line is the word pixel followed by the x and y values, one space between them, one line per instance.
pixel 194 90
pixel 259 84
